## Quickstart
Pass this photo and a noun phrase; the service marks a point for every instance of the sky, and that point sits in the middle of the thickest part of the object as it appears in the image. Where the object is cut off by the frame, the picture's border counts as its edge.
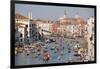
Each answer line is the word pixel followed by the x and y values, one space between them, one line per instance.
pixel 53 12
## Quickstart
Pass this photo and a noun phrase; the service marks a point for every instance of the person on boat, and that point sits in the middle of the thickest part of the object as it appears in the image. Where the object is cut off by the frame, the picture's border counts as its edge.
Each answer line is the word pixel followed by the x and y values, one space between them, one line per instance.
pixel 46 56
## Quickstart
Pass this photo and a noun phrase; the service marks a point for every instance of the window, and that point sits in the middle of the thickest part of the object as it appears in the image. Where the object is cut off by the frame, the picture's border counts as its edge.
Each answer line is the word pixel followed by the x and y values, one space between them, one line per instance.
pixel 20 35
pixel 30 25
pixel 21 40
pixel 26 25
pixel 16 40
pixel 92 28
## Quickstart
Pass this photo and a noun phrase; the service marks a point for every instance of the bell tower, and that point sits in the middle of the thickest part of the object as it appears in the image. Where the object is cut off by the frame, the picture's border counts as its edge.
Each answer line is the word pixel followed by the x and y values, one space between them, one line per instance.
pixel 65 14
pixel 30 13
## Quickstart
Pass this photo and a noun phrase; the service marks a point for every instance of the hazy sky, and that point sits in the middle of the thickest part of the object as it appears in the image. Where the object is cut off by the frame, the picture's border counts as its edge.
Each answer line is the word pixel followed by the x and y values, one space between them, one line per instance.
pixel 53 12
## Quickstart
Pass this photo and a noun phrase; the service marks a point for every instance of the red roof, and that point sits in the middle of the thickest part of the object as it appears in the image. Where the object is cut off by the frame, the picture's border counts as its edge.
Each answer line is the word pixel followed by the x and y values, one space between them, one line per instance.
pixel 19 16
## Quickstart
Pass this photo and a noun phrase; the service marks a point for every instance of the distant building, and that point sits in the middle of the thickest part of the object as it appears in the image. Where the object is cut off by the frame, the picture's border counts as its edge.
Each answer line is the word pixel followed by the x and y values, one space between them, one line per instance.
pixel 54 26
pixel 43 26
pixel 71 27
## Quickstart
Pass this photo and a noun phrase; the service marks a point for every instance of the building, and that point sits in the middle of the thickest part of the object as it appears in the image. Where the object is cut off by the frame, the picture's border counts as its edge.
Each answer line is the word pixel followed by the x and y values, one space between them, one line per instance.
pixel 90 38
pixel 25 26
pixel 54 27
pixel 19 34
pixel 43 27
pixel 71 27
pixel 35 29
